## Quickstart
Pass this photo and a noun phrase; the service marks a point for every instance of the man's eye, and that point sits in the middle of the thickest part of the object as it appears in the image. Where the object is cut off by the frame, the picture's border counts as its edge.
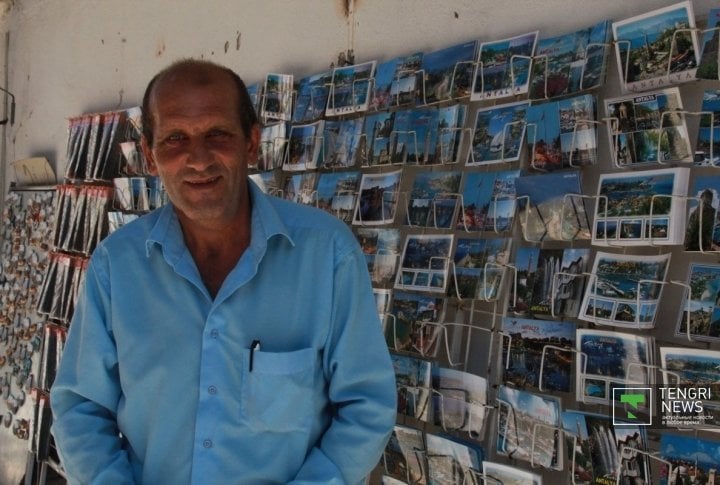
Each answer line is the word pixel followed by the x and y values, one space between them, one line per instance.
pixel 218 134
pixel 175 137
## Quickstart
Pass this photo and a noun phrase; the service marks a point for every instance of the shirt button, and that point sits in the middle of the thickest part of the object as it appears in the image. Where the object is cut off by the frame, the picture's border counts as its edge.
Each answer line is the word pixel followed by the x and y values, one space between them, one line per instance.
pixel 214 333
pixel 207 443
pixel 212 390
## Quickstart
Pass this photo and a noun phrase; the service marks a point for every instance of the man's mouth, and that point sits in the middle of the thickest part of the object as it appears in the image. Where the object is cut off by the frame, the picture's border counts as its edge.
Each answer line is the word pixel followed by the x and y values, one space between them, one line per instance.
pixel 202 182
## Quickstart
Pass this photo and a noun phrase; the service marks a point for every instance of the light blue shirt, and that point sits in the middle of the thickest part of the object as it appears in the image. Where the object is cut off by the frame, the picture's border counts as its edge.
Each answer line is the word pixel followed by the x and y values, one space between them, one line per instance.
pixel 152 356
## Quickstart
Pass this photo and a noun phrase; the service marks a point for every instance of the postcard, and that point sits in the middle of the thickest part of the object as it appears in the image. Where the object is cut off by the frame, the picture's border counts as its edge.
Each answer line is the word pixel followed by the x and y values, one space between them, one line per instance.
pixel 312 97
pixel 528 426
pixel 648 128
pixel 425 263
pixel 277 97
pixel 504 67
pixel 376 144
pixel 350 89
pixel 551 207
pixel 379 193
pixel 489 201
pixel 707 148
pixel 611 358
pixel 434 199
pixel 550 282
pixel 692 459
pixel 699 317
pixel 562 134
pixel 395 82
pixel 641 207
pixel 382 302
pixel 570 63
pixel 702 231
pixel 624 289
pixel 273 141
pixel 414 138
pixel 480 267
pixel 656 48
pixel 451 120
pixel 450 459
pixel 531 355
pixel 509 475
pixel 414 323
pixel 300 188
pixel 404 457
pixel 341 142
pixel 255 92
pixel 413 381
pixel 381 247
pixel 709 56
pixel 337 193
pixel 459 401
pixel 498 134
pixel 596 446
pixel 447 73
pixel 305 147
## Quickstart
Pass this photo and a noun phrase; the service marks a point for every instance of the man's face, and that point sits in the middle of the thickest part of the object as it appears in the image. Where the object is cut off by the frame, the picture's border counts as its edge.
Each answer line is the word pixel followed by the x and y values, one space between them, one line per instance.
pixel 199 149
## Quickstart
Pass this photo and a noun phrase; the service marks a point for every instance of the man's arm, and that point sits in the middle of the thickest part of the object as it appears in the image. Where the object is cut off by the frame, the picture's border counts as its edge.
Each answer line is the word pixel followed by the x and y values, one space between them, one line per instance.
pixel 85 394
pixel 361 383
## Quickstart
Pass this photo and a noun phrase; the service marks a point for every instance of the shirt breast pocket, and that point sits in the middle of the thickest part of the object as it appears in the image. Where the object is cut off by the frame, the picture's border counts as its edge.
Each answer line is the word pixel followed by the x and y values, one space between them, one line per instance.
pixel 280 391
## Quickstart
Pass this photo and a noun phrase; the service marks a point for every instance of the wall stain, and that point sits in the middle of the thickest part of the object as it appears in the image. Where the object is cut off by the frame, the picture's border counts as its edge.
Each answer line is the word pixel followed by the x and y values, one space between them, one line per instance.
pixel 160 50
pixel 227 46
pixel 237 41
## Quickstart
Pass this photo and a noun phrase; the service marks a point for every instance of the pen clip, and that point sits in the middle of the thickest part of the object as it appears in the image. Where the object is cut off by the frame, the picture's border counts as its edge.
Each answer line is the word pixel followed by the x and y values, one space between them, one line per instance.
pixel 255 345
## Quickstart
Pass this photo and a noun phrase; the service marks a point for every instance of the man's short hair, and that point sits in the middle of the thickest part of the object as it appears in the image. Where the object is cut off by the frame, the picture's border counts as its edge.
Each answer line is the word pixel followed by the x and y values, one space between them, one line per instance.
pixel 246 111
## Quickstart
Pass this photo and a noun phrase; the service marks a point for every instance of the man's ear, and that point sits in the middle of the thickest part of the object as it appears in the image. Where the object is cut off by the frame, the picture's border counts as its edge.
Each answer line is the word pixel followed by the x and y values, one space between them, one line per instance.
pixel 253 142
pixel 149 158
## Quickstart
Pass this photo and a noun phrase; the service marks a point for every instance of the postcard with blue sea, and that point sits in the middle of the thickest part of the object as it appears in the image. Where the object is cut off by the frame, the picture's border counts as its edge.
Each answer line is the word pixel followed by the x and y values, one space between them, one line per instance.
pixel 498 134
pixel 503 68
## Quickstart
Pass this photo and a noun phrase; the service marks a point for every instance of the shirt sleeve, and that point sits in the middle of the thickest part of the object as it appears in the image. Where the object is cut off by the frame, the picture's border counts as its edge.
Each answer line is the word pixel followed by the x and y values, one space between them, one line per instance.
pixel 361 383
pixel 85 394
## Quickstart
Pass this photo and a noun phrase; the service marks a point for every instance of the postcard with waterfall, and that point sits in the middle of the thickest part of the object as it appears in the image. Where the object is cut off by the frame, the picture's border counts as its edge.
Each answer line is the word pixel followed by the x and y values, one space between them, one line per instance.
pixel 498 134
pixel 707 148
pixel 341 142
pixel 538 354
pixel 656 48
pixel 488 201
pixel 640 207
pixel 509 475
pixel 503 67
pixel 381 247
pixel 702 230
pixel 413 379
pixel 624 289
pixel 312 97
pixel 277 97
pixel 648 128
pixel 434 200
pixel 479 269
pixel 337 193
pixel 414 324
pixel 570 63
pixel 447 73
pixel 404 457
pixel 450 460
pixel 459 403
pixel 527 424
pixel 379 193
pixel 305 147
pixel 699 317
pixel 710 55
pixel 395 82
pixel 562 134
pixel 350 89
pixel 611 358
pixel 425 262
pixel 551 207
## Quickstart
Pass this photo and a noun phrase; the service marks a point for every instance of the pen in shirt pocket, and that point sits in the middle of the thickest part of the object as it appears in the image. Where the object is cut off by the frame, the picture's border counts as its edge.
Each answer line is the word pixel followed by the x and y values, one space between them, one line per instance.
pixel 255 345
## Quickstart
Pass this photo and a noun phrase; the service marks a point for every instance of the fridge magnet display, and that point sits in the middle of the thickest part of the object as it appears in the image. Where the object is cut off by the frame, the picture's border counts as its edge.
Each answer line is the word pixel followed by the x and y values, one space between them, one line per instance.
pixel 425 262
pixel 498 134
pixel 503 67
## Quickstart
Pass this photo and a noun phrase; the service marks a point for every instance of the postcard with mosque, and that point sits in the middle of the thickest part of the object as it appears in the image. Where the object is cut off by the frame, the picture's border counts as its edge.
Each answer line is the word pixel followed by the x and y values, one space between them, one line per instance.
pixel 538 354
pixel 451 120
pixel 707 148
pixel 277 97
pixel 657 48
pixel 404 457
pixel 433 200
pixel 509 475
pixel 337 193
pixel 648 128
pixel 611 359
pixel 414 138
pixel 341 142
pixel 425 263
pixel 459 401
pixel 498 134
pixel 710 42
pixel 503 67
pixel 414 324
pixel 273 141
pixel 488 201
pixel 381 247
pixel 350 89
pixel 451 459
pixel 693 459
pixel 570 63
pixel 480 268
pixel 550 282
pixel 527 427
pixel 641 207
pixel 699 317
pixel 414 382
pixel 379 194
pixel 551 207
pixel 305 147
pixel 702 229
pixel 624 289
pixel 312 97
pixel 447 73
pixel 395 81
pixel 562 134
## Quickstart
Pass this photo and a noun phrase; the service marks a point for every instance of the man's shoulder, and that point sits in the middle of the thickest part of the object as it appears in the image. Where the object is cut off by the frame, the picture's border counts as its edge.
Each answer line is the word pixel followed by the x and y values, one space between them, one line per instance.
pixel 135 230
pixel 300 216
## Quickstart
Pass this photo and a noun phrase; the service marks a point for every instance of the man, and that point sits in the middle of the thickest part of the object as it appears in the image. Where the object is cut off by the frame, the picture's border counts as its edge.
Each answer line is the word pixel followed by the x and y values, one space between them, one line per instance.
pixel 230 337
